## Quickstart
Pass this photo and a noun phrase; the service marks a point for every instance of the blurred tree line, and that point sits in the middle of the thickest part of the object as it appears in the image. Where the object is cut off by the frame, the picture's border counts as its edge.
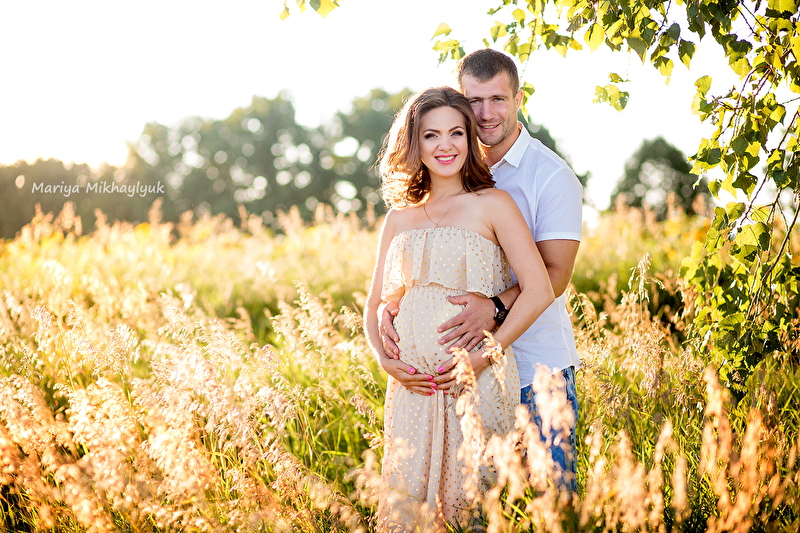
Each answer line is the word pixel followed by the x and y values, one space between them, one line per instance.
pixel 259 157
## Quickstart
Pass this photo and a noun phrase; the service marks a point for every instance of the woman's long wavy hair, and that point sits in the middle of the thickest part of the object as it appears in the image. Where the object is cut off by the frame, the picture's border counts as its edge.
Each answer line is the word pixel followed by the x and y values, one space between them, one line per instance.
pixel 405 179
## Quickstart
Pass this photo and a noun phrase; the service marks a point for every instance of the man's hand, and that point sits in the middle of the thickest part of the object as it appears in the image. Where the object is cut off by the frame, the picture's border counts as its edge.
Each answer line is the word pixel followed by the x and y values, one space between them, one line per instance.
pixel 408 376
pixel 446 378
pixel 467 327
pixel 386 313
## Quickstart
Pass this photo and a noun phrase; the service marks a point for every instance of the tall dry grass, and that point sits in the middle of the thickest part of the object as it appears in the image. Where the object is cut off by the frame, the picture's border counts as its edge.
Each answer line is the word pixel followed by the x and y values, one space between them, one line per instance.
pixel 212 376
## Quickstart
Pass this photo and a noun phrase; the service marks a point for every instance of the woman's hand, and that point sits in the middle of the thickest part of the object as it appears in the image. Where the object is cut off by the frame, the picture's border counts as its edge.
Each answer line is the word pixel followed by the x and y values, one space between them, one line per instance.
pixel 408 376
pixel 386 313
pixel 446 374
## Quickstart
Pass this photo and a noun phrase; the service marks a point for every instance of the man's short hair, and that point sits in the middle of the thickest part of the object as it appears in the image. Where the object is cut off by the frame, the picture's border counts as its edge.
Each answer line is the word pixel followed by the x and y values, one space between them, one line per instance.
pixel 485 64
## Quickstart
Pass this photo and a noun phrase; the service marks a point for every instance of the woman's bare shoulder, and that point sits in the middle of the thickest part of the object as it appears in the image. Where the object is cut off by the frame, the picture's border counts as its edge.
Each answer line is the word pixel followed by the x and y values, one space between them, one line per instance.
pixel 398 219
pixel 493 195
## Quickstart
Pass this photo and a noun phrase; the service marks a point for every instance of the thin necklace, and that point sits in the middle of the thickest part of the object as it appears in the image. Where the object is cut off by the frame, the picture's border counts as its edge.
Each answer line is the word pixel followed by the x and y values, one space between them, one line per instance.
pixel 436 223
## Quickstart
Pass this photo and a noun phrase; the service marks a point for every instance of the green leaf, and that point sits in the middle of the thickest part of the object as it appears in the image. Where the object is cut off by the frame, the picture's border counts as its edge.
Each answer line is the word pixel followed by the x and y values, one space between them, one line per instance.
pixel 712 156
pixel 686 52
pixel 600 94
pixel 664 65
pixel 703 84
pixel 775 160
pixel 615 78
pixel 524 51
pixel 783 6
pixel 511 44
pixel 285 13
pixel 795 41
pixel 612 95
pixel 674 31
pixel 442 29
pixel 735 209
pixel 520 16
pixel 449 47
pixel 497 31
pixel 740 144
pixel 714 187
pixel 755 235
pixel 741 67
pixel 794 84
pixel 323 7
pixel 745 181
pixel 778 114
pixel 594 36
pixel 527 88
pixel 638 45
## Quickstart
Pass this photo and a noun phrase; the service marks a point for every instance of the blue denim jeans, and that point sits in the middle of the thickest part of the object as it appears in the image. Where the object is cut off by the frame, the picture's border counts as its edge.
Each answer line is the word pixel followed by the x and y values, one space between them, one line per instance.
pixel 565 453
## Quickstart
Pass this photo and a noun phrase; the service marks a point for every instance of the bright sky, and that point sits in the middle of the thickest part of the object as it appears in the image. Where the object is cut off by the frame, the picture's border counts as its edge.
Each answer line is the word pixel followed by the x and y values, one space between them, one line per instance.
pixel 81 78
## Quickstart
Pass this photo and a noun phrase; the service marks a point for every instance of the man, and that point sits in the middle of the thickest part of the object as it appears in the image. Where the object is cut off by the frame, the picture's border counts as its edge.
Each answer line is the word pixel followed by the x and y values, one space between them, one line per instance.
pixel 550 198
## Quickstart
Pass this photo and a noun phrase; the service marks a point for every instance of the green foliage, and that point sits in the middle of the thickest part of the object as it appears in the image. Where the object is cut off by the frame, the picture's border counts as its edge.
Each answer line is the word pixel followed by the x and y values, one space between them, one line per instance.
pixel 745 273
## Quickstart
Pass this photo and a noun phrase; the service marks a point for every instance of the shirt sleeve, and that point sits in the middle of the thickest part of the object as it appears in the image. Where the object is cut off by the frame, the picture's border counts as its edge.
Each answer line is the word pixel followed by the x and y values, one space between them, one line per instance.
pixel 559 213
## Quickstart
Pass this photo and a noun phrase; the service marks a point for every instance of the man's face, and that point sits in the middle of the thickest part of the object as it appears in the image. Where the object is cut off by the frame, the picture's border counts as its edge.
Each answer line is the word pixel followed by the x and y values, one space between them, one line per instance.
pixel 495 107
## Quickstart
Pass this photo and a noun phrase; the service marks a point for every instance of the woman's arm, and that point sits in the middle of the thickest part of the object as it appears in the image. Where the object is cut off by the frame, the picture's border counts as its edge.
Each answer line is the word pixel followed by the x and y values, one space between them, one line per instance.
pixel 406 374
pixel 536 292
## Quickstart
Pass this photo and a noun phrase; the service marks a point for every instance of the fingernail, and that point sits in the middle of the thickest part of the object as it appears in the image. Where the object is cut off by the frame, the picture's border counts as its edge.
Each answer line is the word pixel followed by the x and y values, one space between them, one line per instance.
pixel 429 394
pixel 433 385
pixel 430 378
pixel 439 330
pixel 412 370
pixel 441 341
pixel 441 369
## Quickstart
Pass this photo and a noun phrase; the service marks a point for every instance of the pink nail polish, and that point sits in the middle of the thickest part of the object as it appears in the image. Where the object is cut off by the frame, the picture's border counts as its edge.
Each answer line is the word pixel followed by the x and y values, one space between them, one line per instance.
pixel 433 385
pixel 441 369
pixel 412 370
pixel 430 378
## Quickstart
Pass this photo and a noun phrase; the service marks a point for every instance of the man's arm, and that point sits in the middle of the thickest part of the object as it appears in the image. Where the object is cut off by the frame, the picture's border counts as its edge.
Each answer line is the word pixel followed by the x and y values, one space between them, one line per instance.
pixel 559 259
pixel 467 327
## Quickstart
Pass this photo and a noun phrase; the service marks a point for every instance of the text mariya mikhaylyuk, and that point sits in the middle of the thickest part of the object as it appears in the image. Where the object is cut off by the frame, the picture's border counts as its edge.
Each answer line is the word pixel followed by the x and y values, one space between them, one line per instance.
pixel 104 187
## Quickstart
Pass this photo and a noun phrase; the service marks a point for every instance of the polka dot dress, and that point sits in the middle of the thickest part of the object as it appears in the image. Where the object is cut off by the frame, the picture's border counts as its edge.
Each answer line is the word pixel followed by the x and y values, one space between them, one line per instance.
pixel 423 433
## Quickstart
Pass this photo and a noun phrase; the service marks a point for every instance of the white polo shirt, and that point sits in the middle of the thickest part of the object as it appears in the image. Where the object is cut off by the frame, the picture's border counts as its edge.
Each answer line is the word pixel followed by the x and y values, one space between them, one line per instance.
pixel 550 198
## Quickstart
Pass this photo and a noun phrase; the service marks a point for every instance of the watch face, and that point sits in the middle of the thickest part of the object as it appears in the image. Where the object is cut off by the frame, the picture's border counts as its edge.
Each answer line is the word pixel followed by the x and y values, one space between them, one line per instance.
pixel 500 316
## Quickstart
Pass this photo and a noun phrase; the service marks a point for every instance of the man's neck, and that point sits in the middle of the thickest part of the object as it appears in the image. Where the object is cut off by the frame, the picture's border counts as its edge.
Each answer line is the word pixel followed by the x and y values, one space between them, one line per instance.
pixel 493 154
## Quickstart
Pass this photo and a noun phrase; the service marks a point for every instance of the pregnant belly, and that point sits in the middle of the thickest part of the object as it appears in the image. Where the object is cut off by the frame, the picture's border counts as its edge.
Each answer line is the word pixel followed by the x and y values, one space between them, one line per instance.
pixel 423 309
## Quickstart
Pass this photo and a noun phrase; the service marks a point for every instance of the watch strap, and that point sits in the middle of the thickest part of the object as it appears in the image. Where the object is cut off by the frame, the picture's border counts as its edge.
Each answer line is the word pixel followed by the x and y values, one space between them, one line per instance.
pixel 501 313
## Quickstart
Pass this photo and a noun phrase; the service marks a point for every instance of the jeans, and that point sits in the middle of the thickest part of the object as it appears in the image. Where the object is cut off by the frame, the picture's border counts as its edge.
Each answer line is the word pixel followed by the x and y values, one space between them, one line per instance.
pixel 565 453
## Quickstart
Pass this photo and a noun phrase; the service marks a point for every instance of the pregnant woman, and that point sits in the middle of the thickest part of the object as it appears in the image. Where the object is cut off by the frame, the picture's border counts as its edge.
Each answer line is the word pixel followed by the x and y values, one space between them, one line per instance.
pixel 448 232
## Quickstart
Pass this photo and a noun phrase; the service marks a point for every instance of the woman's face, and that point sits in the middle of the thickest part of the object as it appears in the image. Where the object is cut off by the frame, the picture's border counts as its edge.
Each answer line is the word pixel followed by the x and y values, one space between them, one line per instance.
pixel 443 142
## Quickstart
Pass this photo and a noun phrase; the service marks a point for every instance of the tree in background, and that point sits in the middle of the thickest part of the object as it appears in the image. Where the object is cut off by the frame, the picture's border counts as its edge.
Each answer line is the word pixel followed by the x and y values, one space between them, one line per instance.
pixel 654 171
pixel 260 158
pixel 20 199
pixel 362 134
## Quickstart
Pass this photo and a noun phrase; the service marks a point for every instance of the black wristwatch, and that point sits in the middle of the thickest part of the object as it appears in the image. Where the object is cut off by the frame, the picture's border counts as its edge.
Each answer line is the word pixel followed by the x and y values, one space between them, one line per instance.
pixel 500 311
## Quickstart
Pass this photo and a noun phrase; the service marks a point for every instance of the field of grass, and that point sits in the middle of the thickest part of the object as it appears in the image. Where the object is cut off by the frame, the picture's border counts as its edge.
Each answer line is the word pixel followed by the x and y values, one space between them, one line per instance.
pixel 212 376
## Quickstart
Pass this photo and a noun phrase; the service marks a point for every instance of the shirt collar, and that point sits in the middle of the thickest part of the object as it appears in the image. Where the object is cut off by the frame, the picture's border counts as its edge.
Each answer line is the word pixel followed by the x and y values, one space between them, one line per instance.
pixel 514 154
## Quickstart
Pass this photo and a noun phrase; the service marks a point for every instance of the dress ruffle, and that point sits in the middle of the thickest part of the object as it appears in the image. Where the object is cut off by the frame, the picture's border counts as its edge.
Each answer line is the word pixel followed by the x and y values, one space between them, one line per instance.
pixel 455 258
